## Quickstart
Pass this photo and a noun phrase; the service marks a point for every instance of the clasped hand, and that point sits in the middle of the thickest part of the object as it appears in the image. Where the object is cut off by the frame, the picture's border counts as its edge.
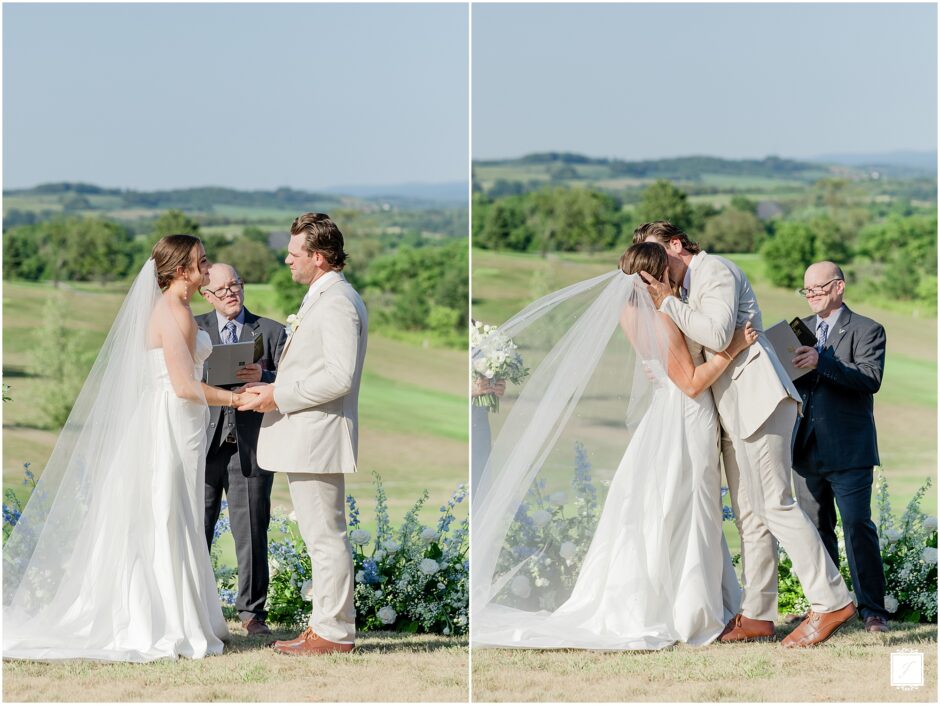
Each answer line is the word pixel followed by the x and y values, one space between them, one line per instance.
pixel 256 396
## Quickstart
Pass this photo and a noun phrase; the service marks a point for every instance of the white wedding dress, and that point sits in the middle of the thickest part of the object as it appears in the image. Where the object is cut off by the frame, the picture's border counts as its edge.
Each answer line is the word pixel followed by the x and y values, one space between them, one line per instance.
pixel 645 584
pixel 131 578
pixel 657 570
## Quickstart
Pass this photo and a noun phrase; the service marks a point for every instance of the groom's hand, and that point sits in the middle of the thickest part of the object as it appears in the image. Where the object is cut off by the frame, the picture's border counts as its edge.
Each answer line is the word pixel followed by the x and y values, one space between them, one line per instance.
pixel 657 289
pixel 260 398
pixel 805 357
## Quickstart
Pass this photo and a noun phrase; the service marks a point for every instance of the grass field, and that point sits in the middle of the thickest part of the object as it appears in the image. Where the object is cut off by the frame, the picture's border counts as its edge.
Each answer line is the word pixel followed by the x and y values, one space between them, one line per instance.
pixel 905 408
pixel 384 667
pixel 413 414
pixel 853 666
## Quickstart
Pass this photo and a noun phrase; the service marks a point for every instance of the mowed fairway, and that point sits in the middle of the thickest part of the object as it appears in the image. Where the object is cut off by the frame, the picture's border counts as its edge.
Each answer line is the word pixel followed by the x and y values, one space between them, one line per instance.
pixel 413 414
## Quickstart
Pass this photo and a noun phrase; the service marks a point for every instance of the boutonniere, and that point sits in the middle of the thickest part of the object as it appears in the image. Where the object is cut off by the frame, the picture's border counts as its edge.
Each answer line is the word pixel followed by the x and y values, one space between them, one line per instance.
pixel 293 323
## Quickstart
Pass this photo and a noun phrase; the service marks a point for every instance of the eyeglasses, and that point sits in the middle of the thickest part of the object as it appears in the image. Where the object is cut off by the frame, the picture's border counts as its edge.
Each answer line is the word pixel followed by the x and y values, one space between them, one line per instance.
pixel 820 289
pixel 233 288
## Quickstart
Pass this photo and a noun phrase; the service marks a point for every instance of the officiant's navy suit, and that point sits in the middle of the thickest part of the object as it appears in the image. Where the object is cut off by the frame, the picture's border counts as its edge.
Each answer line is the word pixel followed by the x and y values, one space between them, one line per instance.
pixel 232 467
pixel 836 447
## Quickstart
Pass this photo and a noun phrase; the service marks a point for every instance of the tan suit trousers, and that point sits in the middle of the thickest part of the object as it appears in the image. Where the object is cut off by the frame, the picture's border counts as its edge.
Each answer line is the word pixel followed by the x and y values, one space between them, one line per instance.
pixel 758 473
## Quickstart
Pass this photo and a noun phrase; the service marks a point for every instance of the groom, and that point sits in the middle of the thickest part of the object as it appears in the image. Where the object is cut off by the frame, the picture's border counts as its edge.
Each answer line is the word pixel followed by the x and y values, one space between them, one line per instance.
pixel 310 425
pixel 758 408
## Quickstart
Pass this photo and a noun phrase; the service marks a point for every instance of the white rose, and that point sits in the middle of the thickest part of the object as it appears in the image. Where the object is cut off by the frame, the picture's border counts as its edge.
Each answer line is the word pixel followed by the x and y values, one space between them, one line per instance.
pixel 429 566
pixel 378 594
pixel 541 518
pixel 567 550
pixel 360 576
pixel 480 365
pixel 360 537
pixel 429 535
pixel 378 555
pixel 930 523
pixel 891 603
pixel 892 535
pixel 557 498
pixel 445 631
pixel 521 586
pixel 392 546
pixel 929 555
pixel 306 590
pixel 387 615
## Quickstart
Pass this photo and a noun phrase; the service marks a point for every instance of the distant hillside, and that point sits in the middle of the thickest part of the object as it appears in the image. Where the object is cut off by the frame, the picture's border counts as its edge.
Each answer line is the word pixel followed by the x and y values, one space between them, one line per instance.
pixel 451 192
pixel 892 164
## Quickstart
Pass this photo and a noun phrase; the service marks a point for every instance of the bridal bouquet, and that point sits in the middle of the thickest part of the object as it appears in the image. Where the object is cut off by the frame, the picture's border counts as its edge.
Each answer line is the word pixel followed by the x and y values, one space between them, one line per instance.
pixel 495 357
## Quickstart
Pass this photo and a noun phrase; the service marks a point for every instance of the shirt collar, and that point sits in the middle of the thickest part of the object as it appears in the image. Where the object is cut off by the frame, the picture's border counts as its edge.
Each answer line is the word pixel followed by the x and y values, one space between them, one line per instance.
pixel 323 281
pixel 832 318
pixel 239 322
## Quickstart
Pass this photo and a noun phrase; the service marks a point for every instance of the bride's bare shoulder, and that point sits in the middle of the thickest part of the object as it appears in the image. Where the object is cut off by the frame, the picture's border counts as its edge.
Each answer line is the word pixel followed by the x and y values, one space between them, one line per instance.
pixel 170 319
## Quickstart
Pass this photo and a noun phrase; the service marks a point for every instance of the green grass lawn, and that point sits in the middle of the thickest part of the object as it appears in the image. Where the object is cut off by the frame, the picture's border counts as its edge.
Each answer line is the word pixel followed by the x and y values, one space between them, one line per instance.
pixel 905 408
pixel 413 413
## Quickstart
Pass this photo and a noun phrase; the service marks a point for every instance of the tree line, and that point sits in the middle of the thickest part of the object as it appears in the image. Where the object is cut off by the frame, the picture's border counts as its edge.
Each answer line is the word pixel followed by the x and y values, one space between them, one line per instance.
pixel 888 247
pixel 410 282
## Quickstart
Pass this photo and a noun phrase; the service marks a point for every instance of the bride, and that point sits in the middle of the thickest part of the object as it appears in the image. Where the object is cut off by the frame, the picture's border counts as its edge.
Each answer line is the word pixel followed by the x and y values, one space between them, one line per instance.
pixel 109 559
pixel 657 570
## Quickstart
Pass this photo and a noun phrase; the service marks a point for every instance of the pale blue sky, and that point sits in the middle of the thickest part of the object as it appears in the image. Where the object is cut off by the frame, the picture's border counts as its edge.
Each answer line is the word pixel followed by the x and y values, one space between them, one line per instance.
pixel 732 80
pixel 247 96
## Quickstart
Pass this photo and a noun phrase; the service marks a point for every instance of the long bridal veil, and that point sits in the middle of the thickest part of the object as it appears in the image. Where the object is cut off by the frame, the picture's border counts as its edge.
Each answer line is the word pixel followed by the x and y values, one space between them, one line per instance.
pixel 75 562
pixel 597 356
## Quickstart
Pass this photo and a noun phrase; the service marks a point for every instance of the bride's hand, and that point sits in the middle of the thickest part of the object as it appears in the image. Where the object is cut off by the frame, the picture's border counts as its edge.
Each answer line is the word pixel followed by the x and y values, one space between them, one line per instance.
pixel 743 338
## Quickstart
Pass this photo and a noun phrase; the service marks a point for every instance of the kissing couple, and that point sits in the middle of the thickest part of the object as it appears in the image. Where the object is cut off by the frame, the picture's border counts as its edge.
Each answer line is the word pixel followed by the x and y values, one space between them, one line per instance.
pixel 697 381
pixel 109 559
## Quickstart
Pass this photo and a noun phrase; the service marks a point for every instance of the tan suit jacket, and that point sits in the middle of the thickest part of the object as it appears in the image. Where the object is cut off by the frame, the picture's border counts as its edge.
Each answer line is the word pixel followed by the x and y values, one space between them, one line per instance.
pixel 721 299
pixel 315 428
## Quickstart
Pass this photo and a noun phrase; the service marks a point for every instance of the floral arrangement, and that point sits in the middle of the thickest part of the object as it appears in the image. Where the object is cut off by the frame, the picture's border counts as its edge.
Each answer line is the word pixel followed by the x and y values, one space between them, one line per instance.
pixel 495 357
pixel 414 579
pixel 549 543
pixel 909 555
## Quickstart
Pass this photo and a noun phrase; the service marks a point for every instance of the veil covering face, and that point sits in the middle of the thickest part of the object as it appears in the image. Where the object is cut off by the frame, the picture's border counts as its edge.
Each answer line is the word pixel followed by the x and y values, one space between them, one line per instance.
pixel 598 423
pixel 82 556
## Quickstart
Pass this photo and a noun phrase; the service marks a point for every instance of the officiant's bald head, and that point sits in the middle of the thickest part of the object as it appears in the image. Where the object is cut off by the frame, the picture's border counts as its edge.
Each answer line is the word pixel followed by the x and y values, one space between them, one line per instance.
pixel 225 290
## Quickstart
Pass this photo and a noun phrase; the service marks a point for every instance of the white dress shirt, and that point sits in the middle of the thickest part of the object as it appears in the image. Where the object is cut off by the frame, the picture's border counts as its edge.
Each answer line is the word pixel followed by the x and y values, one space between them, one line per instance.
pixel 239 321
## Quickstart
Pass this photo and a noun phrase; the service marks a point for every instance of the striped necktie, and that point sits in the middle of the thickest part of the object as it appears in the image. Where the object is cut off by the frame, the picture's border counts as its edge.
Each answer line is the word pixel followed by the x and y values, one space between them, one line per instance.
pixel 822 333
pixel 229 329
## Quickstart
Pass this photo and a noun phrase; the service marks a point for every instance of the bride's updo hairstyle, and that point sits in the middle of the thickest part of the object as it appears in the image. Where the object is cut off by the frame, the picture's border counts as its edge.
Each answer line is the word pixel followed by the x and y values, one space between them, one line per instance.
pixel 649 257
pixel 169 254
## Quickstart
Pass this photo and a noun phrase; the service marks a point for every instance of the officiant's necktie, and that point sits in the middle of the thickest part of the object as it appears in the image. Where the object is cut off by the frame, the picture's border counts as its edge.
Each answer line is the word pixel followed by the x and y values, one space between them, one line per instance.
pixel 229 329
pixel 822 333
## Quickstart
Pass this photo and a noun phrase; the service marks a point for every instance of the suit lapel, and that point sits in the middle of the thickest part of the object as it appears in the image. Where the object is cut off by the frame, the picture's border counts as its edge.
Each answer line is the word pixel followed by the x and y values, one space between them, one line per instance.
pixel 836 336
pixel 305 310
pixel 214 328
pixel 250 328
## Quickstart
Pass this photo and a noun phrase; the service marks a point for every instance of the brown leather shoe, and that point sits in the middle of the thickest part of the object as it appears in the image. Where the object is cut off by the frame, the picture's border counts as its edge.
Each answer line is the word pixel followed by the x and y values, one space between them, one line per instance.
pixel 256 627
pixel 309 643
pixel 818 626
pixel 743 628
pixel 876 624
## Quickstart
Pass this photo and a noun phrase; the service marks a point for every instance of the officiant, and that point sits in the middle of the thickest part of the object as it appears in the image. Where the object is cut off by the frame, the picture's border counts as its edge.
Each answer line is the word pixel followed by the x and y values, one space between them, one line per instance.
pixel 231 463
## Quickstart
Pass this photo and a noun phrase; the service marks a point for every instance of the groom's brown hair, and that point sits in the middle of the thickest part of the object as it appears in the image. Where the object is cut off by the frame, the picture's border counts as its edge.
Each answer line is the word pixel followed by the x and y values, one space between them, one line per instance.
pixel 321 235
pixel 665 232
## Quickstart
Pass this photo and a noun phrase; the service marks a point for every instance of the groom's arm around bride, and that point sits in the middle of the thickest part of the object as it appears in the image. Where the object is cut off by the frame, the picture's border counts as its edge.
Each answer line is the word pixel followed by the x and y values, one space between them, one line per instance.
pixel 310 428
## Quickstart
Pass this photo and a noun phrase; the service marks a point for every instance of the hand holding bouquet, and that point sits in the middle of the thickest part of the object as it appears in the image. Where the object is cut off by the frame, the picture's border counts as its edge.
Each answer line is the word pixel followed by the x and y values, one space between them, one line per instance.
pixel 495 360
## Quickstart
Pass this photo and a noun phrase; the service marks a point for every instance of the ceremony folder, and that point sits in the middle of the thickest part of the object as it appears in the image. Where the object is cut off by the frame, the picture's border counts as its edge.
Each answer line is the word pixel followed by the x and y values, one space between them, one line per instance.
pixel 784 341
pixel 225 361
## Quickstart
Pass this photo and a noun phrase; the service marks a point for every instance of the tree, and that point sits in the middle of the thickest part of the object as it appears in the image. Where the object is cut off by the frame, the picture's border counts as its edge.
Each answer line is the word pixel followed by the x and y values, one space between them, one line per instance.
pixel 662 200
pixel 174 222
pixel 251 259
pixel 788 253
pixel 732 230
pixel 570 220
